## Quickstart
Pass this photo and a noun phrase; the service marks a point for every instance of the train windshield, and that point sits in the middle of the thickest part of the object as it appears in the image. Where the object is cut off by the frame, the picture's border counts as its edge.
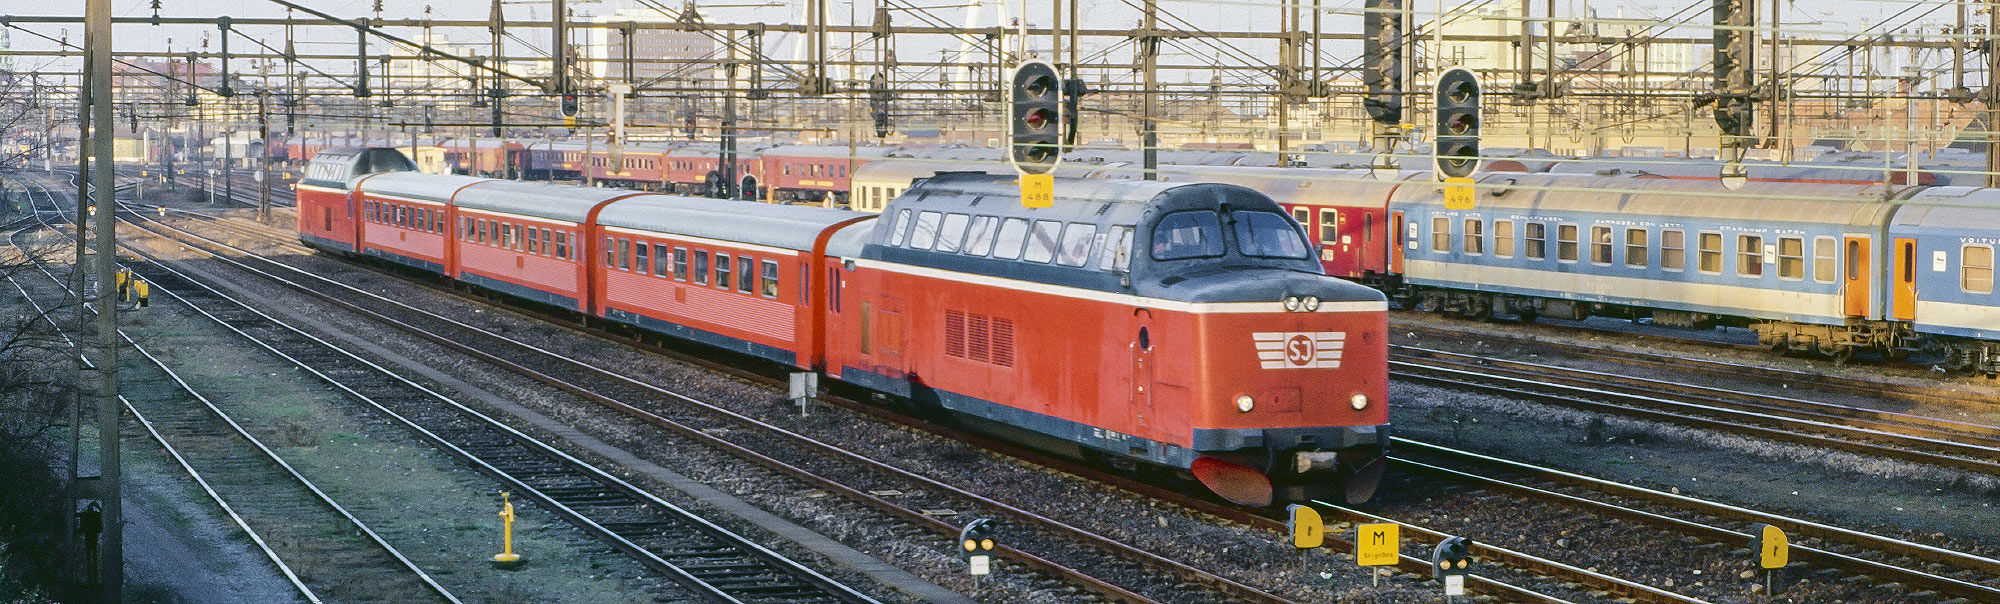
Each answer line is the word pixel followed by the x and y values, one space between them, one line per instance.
pixel 1190 234
pixel 1268 235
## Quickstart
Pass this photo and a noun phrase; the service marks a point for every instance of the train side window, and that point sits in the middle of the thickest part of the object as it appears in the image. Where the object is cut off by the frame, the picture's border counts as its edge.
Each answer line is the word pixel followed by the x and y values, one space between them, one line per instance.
pixel 1042 243
pixel 746 271
pixel 1826 252
pixel 1475 236
pixel 1329 226
pixel 562 244
pixel 952 233
pixel 534 242
pixel 680 264
pixel 466 227
pixel 1503 239
pixel 901 231
pixel 1854 261
pixel 1791 258
pixel 700 267
pixel 1636 253
pixel 545 242
pixel 1117 254
pixel 1711 253
pixel 722 271
pixel 926 232
pixel 1976 269
pixel 1537 235
pixel 1303 215
pixel 1566 243
pixel 1749 255
pixel 1600 245
pixel 1673 250
pixel 1013 233
pixel 1076 237
pixel 768 281
pixel 481 229
pixel 979 235
pixel 624 254
pixel 641 258
pixel 1367 228
pixel 1441 234
pixel 611 252
pixel 660 259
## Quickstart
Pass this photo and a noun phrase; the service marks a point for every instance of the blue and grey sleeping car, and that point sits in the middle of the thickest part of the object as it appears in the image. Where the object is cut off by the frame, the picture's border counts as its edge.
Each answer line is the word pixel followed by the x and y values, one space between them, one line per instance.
pixel 1797 262
pixel 1943 273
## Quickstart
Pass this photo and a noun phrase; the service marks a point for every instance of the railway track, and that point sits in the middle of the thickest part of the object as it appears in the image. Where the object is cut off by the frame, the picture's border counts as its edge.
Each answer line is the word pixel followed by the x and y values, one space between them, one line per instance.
pixel 280 510
pixel 1536 566
pixel 1966 446
pixel 700 555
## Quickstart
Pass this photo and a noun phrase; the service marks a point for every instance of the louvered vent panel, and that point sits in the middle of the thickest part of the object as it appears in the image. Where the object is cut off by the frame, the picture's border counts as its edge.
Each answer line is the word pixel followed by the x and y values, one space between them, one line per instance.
pixel 954 333
pixel 981 342
pixel 1003 342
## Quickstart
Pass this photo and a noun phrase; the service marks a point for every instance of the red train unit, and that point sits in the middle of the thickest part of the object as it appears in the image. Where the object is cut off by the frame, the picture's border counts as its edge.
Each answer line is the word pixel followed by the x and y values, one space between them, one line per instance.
pixel 1185 326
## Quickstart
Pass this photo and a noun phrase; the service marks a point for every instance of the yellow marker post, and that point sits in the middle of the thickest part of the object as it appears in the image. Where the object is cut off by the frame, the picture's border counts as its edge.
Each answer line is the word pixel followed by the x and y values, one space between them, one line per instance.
pixel 1038 190
pixel 1378 545
pixel 1307 529
pixel 507 558
pixel 1458 193
pixel 1773 552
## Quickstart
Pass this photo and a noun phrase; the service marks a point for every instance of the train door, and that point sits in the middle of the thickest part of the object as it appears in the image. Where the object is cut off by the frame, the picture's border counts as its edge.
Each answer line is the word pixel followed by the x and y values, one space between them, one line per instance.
pixel 1855 293
pixel 1142 371
pixel 1394 241
pixel 1906 280
pixel 889 335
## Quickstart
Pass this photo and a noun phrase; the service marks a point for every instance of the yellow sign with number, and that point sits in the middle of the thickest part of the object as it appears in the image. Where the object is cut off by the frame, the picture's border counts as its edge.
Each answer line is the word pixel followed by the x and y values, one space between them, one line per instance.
pixel 1378 544
pixel 1773 551
pixel 1038 190
pixel 1458 193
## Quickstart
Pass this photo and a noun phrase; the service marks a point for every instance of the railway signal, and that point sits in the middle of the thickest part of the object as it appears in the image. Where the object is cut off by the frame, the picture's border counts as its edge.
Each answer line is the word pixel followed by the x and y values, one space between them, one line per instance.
pixel 976 545
pixel 878 103
pixel 1735 68
pixel 571 105
pixel 1452 560
pixel 1457 148
pixel 1382 23
pixel 1773 551
pixel 1036 123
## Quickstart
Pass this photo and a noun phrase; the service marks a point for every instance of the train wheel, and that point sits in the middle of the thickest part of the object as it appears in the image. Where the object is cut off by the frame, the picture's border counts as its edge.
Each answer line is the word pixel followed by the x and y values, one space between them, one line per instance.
pixel 1842 356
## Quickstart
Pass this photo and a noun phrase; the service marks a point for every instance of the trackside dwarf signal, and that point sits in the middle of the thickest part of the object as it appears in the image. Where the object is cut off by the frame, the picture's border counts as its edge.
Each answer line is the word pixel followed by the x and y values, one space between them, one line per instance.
pixel 976 545
pixel 1451 561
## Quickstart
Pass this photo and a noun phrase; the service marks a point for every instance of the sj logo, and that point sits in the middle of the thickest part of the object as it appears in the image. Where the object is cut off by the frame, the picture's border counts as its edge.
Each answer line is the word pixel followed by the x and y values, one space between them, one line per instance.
pixel 1299 350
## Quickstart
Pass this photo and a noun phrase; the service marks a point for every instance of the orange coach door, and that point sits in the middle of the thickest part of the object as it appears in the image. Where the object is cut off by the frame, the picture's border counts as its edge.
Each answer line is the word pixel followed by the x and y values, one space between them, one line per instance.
pixel 1857 289
pixel 1906 279
pixel 1142 371
pixel 1395 243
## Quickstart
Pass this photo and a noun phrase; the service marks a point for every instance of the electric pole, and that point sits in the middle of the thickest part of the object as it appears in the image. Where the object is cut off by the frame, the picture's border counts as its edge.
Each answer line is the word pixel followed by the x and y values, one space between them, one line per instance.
pixel 111 549
pixel 1149 54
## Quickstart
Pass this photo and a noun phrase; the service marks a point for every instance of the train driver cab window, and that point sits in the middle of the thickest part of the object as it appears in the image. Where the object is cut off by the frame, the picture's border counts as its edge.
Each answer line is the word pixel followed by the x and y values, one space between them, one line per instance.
pixel 1441 234
pixel 1013 233
pixel 979 235
pixel 1566 243
pixel 1600 245
pixel 701 267
pixel 746 270
pixel 1503 239
pixel 680 264
pixel 1750 255
pixel 768 282
pixel 1075 250
pixel 1976 269
pixel 1826 253
pixel 1711 253
pixel 1475 236
pixel 1791 258
pixel 1187 234
pixel 1267 235
pixel 722 271
pixel 901 230
pixel 952 233
pixel 1117 254
pixel 1673 250
pixel 1042 242
pixel 925 234
pixel 1537 235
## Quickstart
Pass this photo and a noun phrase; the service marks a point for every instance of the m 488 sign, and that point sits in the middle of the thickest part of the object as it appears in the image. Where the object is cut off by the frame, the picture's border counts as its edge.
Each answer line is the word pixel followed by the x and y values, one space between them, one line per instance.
pixel 1300 350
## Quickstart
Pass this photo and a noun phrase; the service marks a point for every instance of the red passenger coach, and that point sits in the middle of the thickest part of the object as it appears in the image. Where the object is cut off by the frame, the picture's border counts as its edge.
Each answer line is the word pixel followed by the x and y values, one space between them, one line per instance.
pixel 730 274
pixel 1184 325
pixel 406 217
pixel 328 218
pixel 529 239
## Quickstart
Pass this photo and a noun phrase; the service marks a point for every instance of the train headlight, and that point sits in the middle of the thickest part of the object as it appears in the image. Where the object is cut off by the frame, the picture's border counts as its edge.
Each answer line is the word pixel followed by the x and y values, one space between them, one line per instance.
pixel 1312 303
pixel 1359 400
pixel 1245 404
pixel 1292 303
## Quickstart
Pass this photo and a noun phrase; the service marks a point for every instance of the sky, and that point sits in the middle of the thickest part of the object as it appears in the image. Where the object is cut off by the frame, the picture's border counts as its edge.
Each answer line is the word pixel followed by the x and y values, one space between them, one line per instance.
pixel 1826 17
